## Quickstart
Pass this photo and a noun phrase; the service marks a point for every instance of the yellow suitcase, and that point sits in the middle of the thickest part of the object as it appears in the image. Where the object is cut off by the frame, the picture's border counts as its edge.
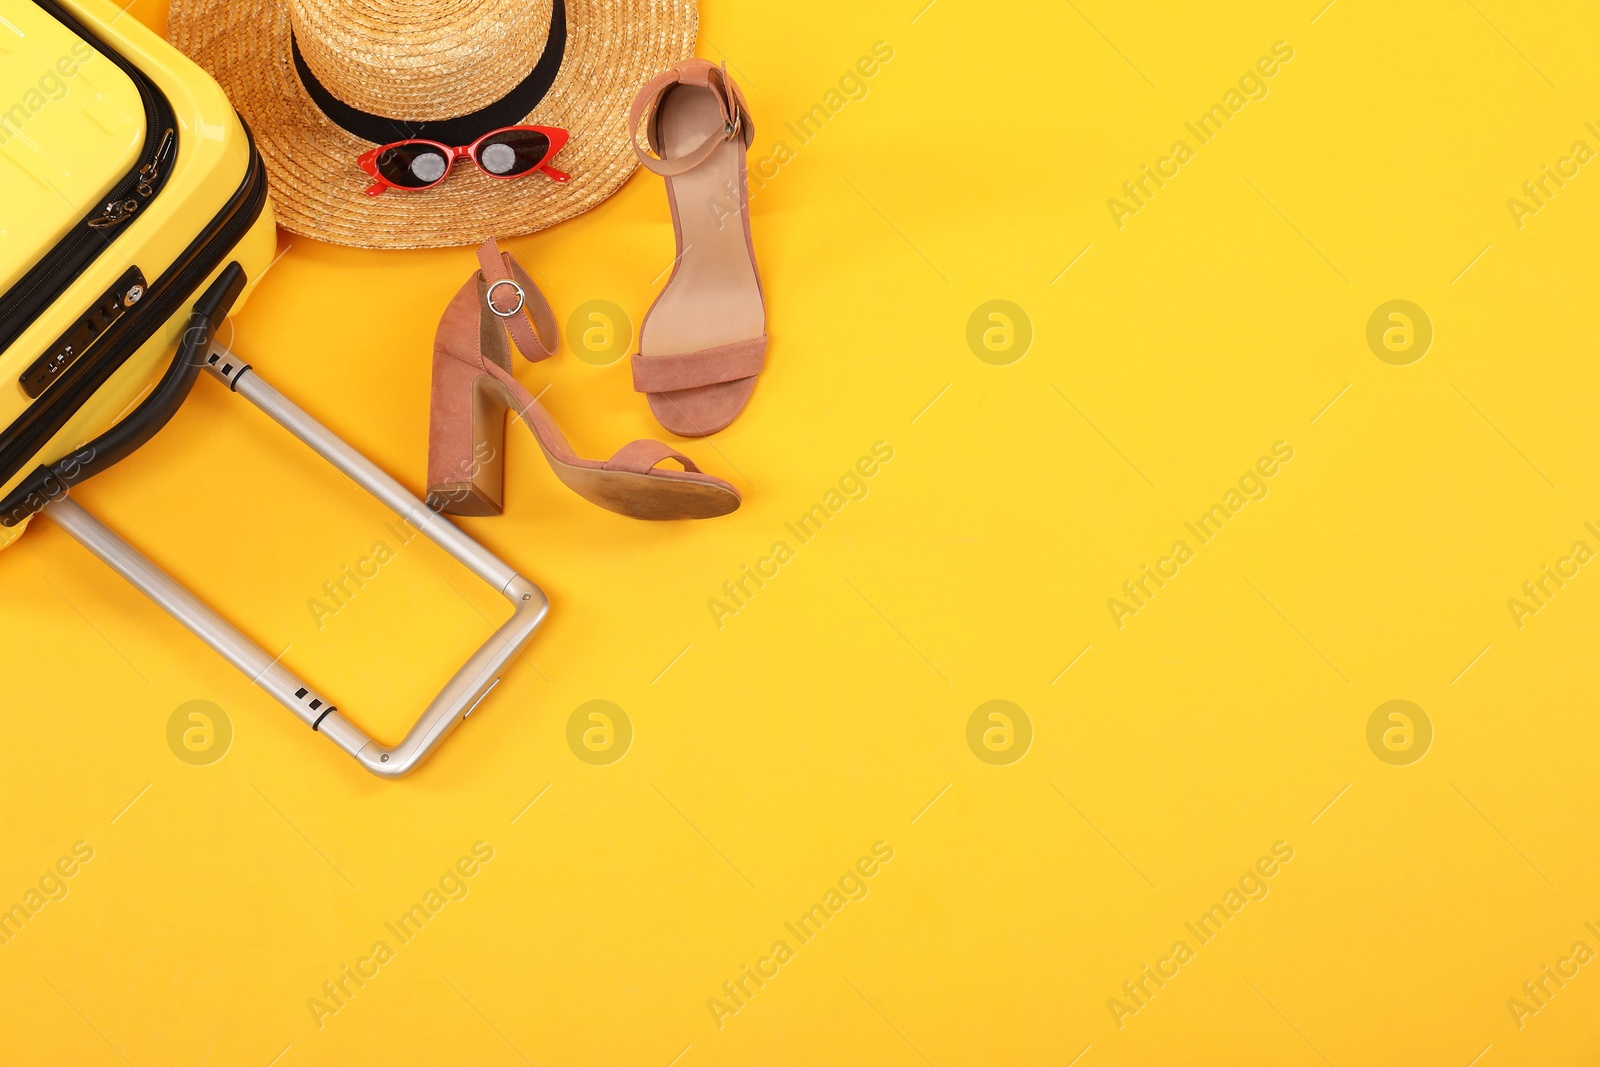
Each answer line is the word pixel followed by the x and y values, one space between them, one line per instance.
pixel 127 186
pixel 133 217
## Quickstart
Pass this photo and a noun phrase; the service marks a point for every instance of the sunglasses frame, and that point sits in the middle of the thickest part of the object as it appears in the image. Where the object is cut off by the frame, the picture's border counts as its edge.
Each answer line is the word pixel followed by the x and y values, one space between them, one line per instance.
pixel 368 161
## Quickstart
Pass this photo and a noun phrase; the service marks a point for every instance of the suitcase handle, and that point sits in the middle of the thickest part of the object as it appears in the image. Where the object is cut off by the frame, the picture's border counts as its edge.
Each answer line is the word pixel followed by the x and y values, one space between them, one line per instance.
pixel 116 444
pixel 460 695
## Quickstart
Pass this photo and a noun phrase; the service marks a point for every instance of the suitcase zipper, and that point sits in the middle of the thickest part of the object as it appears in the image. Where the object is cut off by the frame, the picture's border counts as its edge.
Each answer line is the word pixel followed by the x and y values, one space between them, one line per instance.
pixel 73 254
pixel 165 296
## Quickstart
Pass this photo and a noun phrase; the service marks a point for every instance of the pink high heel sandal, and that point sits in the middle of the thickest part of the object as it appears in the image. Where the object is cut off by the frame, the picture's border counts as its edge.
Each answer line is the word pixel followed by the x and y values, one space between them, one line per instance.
pixel 704 339
pixel 473 387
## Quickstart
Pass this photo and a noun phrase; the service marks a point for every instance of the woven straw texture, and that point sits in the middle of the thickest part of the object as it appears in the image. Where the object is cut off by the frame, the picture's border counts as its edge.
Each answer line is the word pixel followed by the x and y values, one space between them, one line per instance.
pixel 431 59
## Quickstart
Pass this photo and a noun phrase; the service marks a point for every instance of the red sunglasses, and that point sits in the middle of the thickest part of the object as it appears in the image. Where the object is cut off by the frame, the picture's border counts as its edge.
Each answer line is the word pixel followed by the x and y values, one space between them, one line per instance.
pixel 510 152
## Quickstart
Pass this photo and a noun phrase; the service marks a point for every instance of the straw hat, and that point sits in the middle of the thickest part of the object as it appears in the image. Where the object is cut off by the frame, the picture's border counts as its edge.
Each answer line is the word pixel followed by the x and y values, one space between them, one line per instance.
pixel 413 66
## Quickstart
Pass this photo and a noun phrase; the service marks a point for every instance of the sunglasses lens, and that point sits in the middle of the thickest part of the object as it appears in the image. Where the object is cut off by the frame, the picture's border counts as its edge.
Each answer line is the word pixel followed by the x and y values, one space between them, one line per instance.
pixel 412 164
pixel 510 153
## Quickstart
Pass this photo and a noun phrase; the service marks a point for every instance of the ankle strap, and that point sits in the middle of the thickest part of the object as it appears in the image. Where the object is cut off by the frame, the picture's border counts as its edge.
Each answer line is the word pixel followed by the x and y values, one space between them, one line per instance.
pixel 736 120
pixel 514 298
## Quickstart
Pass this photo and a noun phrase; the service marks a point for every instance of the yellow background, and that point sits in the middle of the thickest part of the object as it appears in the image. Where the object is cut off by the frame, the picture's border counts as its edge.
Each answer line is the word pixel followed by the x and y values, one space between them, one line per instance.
pixel 768 755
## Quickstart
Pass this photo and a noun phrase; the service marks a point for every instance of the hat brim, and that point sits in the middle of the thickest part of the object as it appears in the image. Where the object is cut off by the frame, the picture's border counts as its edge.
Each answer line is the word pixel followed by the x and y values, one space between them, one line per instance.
pixel 613 48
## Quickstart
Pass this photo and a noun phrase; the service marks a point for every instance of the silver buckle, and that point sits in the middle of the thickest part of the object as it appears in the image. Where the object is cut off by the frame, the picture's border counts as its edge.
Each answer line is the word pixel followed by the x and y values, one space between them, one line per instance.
pixel 522 298
pixel 732 128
